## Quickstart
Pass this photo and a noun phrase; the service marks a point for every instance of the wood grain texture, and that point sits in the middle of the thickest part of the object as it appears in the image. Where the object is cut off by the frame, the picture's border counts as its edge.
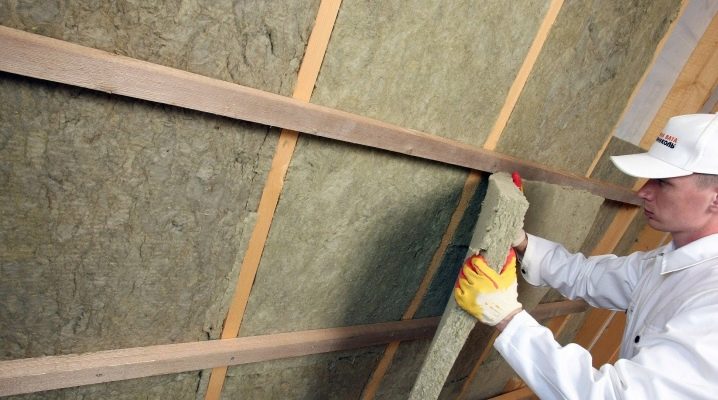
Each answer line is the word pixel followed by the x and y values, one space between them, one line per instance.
pixel 58 61
pixel 629 116
pixel 609 341
pixel 46 373
pixel 306 79
pixel 523 75
pixel 694 84
pixel 55 372
pixel 671 56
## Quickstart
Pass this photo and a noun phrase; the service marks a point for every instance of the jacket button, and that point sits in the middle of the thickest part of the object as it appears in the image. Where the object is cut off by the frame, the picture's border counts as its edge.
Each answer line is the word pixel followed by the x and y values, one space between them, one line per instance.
pixel 637 339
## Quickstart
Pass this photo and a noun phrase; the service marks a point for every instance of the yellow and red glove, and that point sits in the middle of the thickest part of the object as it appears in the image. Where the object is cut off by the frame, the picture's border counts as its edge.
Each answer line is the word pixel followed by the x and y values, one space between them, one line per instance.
pixel 486 294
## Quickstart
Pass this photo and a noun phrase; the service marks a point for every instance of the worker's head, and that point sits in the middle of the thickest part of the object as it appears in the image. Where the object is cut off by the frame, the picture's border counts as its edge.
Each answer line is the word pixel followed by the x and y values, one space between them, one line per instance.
pixel 681 194
pixel 687 145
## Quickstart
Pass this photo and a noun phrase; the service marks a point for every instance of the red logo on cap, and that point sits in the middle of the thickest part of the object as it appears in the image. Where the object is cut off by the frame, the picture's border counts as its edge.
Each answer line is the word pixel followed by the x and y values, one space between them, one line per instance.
pixel 667 140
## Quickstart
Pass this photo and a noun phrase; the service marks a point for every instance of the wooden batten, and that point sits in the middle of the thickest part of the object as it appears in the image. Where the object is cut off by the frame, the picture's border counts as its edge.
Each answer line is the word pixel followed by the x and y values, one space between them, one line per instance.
pixel 58 61
pixel 671 56
pixel 523 75
pixel 637 90
pixel 306 79
pixel 56 372
pixel 694 85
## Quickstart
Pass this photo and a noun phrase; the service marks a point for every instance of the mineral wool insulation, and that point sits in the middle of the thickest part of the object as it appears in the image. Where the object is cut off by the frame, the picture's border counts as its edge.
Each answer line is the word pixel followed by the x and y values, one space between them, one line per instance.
pixel 123 223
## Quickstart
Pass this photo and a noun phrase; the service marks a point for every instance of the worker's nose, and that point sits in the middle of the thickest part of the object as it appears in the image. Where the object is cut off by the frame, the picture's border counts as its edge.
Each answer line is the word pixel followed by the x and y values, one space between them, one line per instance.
pixel 646 191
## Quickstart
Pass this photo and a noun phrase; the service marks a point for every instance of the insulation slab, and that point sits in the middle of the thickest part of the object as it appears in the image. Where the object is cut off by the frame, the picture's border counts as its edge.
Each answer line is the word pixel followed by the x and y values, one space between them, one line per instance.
pixel 551 207
pixel 502 215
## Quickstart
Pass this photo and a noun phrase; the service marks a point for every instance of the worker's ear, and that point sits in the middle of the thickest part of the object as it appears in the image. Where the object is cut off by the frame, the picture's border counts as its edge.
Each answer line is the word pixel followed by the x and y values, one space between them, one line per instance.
pixel 713 206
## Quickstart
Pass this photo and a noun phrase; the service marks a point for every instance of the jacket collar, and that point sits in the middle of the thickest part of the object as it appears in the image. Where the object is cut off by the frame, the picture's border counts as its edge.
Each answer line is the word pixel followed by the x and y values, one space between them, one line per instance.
pixel 692 254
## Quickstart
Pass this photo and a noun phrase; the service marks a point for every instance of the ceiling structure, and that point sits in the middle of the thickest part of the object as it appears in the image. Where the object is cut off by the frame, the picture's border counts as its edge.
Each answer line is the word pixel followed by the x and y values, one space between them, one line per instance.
pixel 157 196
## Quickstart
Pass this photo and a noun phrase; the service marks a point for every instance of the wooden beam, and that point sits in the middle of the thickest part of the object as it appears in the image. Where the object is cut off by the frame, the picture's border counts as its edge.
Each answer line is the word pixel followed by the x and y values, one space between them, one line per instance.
pixel 59 61
pixel 610 340
pixel 694 84
pixel 377 376
pixel 55 372
pixel 619 225
pixel 306 79
pixel 671 55
pixel 628 115
pixel 514 383
pixel 523 75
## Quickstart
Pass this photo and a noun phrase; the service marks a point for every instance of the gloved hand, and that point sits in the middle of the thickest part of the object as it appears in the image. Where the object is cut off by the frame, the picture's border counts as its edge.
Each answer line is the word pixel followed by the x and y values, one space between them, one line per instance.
pixel 487 295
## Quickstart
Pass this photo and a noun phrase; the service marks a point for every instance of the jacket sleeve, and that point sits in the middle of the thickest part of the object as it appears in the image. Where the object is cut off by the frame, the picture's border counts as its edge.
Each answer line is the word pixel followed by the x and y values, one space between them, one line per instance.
pixel 677 363
pixel 603 281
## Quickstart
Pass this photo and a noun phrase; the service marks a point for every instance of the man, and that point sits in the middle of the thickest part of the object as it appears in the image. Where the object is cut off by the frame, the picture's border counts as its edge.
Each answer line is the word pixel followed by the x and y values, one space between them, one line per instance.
pixel 670 344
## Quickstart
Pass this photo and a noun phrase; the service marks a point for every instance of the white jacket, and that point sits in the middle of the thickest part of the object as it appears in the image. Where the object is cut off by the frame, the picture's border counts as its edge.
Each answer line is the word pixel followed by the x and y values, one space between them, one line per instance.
pixel 670 345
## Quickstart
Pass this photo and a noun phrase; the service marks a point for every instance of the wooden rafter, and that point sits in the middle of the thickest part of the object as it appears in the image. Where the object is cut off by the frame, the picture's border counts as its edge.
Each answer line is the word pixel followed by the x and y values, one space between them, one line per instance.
pixel 306 78
pixel 628 116
pixel 59 61
pixel 694 85
pixel 671 56
pixel 523 75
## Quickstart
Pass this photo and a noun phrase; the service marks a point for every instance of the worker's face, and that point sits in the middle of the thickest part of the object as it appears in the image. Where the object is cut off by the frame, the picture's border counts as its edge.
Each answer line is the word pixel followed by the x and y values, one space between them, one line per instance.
pixel 679 206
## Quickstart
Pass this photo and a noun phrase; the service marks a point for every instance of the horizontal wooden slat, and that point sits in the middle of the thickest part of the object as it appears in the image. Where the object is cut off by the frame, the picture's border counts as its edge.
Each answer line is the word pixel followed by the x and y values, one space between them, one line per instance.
pixel 45 373
pixel 59 61
pixel 56 372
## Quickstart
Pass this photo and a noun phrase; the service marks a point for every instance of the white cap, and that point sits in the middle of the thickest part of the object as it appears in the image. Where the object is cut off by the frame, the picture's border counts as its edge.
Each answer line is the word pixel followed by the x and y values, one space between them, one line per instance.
pixel 688 144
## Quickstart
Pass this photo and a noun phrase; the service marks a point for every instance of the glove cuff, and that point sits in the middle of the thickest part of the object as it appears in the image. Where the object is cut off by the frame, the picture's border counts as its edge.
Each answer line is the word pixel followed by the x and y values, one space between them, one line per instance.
pixel 530 271
pixel 494 318
pixel 498 305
